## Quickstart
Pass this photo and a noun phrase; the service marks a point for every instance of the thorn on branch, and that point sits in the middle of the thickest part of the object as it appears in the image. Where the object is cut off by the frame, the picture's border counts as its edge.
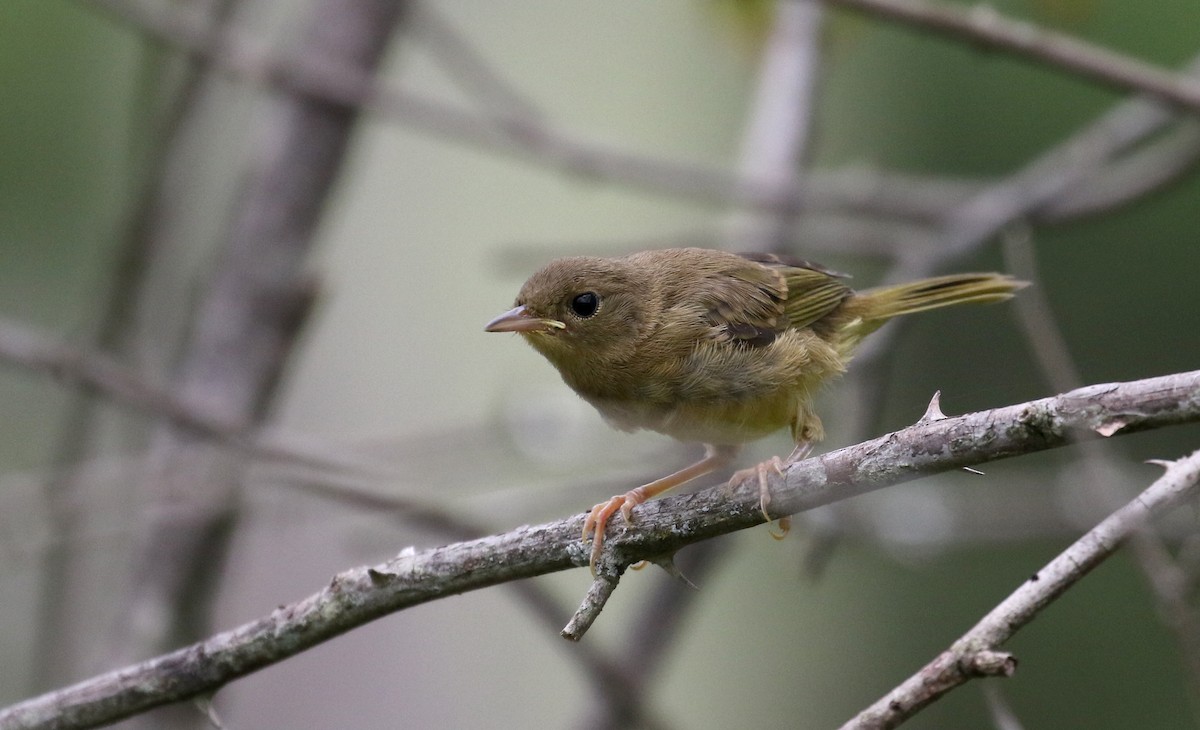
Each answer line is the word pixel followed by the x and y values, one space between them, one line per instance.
pixel 667 563
pixel 933 412
pixel 204 704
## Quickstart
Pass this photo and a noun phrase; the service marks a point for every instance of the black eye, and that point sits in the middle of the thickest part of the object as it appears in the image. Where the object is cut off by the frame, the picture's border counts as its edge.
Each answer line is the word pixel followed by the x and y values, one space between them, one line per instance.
pixel 585 304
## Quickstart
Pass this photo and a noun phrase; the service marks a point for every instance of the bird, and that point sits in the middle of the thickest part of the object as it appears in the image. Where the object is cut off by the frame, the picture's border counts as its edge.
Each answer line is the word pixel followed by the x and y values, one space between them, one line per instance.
pixel 711 346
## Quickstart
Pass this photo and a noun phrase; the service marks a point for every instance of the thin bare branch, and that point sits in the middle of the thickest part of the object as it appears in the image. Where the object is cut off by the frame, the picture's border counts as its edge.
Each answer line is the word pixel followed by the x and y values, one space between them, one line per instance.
pixel 984 26
pixel 955 666
pixel 1150 168
pixel 594 601
pixel 243 56
pixel 1047 178
pixel 363 594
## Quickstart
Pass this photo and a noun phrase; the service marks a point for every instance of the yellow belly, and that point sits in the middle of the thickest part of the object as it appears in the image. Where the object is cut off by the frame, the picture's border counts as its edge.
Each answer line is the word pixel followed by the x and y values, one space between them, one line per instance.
pixel 731 396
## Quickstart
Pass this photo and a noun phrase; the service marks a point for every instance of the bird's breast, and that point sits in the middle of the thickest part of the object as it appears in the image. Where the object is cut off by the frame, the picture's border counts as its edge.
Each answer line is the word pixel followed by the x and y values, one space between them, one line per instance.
pixel 727 422
pixel 718 393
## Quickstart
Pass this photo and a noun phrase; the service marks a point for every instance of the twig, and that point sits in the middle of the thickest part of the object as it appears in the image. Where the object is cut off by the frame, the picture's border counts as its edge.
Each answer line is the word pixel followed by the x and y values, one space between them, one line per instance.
pixel 1038 184
pixel 985 26
pixel 957 665
pixel 594 600
pixel 661 527
pixel 246 57
pixel 1150 168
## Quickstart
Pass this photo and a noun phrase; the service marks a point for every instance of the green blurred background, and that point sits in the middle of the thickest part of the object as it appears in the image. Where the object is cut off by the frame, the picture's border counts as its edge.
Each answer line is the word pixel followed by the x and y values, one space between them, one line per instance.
pixel 426 239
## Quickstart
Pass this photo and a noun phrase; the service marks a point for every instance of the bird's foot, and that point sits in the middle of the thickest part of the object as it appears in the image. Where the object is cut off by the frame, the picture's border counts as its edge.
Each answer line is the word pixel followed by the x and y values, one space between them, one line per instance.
pixel 761 473
pixel 597 519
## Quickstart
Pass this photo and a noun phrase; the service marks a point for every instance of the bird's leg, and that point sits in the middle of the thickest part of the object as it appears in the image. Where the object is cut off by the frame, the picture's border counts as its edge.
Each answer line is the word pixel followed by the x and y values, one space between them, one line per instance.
pixel 761 472
pixel 715 457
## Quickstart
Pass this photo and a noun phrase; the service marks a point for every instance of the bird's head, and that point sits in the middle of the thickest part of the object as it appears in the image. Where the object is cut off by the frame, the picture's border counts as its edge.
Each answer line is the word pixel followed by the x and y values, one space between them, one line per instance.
pixel 581 312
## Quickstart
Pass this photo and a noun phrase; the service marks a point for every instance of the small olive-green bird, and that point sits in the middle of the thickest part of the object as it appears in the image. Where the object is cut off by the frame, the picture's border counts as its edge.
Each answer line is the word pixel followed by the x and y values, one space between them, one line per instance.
pixel 710 346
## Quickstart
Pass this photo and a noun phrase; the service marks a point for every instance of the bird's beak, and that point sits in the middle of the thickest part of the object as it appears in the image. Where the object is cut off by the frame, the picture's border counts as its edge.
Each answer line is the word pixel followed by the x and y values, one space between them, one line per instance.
pixel 519 319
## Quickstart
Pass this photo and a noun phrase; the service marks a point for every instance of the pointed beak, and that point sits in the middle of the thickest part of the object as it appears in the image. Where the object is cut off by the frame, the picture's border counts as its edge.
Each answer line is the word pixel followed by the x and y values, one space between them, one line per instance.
pixel 519 319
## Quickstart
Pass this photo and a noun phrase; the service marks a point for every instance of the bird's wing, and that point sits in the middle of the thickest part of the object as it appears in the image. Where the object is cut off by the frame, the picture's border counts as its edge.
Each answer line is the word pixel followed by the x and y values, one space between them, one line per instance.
pixel 744 302
pixel 811 290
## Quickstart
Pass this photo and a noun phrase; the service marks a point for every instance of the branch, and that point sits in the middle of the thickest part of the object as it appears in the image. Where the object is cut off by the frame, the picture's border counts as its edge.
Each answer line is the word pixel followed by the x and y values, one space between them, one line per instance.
pixel 360 595
pixel 1052 174
pixel 975 655
pixel 984 26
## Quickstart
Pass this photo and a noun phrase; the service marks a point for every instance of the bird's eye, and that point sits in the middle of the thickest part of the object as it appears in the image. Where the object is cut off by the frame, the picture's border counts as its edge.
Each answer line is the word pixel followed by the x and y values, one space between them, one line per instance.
pixel 585 304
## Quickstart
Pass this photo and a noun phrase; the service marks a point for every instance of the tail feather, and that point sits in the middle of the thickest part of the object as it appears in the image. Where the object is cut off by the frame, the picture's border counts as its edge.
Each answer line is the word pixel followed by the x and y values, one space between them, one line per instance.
pixel 873 307
pixel 943 291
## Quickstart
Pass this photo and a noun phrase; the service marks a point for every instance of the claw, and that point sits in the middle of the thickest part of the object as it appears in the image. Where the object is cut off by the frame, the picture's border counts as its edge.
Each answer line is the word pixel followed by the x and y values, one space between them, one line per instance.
pixel 597 521
pixel 761 473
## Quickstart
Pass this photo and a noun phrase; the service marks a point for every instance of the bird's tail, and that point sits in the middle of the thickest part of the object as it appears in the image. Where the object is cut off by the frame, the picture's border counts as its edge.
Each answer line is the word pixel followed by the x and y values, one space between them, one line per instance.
pixel 873 307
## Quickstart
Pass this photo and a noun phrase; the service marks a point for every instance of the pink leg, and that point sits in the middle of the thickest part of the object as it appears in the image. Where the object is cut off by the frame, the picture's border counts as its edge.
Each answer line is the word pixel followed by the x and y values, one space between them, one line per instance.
pixel 594 526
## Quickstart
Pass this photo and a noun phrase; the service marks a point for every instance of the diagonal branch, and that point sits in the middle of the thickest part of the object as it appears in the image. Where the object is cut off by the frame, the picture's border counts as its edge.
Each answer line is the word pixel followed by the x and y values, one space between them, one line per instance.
pixel 984 26
pixel 974 654
pixel 362 594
